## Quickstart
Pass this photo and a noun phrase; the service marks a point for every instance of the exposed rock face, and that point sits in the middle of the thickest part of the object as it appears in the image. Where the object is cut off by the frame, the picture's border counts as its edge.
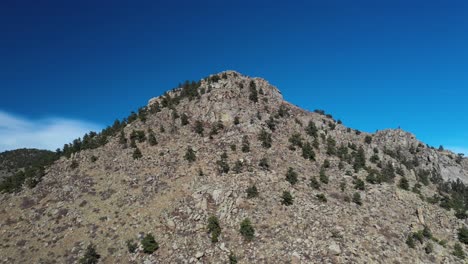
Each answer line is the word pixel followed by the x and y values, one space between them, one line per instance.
pixel 118 198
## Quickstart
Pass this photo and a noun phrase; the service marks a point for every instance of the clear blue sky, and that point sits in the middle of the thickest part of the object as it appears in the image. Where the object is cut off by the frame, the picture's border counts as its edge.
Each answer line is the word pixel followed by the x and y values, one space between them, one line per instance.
pixel 78 65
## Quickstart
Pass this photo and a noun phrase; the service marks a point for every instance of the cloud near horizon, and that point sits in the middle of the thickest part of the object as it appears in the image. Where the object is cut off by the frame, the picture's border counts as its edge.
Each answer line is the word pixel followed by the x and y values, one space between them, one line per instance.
pixel 44 133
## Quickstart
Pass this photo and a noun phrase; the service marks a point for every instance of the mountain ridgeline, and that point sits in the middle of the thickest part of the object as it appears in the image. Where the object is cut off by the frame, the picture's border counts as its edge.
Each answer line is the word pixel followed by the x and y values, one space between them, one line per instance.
pixel 223 170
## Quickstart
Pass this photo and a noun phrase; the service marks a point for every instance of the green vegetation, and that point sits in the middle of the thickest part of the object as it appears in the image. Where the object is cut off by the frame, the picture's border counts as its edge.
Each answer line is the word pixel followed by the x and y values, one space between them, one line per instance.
pixel 308 152
pixel 247 230
pixel 359 184
pixel 359 160
pixel 321 197
pixel 223 166
pixel 190 154
pixel 184 120
pixel 463 235
pixel 137 154
pixel 458 251
pixel 252 192
pixel 286 198
pixel 232 258
pixel 291 176
pixel 368 139
pixel 410 241
pixel 311 129
pixel 199 127
pixel 131 246
pixel 253 96
pixel 245 144
pixel 214 228
pixel 403 183
pixel 90 256
pixel 323 176
pixel 314 183
pixel 264 164
pixel 265 138
pixel 357 198
pixel 149 244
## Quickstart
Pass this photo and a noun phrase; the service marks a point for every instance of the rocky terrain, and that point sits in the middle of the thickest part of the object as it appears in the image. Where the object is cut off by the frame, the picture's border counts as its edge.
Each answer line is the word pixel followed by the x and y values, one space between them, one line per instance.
pixel 198 161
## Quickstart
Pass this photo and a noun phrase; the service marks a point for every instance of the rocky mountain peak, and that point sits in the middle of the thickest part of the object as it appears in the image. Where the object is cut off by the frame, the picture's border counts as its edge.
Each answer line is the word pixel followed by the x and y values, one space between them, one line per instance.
pixel 224 169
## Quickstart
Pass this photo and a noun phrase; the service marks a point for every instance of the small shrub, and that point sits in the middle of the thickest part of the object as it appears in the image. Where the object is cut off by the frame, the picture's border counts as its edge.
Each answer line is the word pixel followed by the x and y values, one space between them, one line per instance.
pixel 314 183
pixel 152 138
pixel 264 164
pixel 359 184
pixel 232 258
pixel 287 198
pixel 90 256
pixel 223 166
pixel 137 154
pixel 323 176
pixel 429 248
pixel 427 232
pixel 233 147
pixel 404 184
pixel 190 155
pixel 463 235
pixel 357 198
pixel 458 251
pixel 247 230
pixel 265 138
pixel 236 120
pixel 214 228
pixel 419 236
pixel 74 164
pixel 368 139
pixel 149 244
pixel 94 158
pixel 199 127
pixel 307 151
pixel 184 119
pixel 237 167
pixel 252 192
pixel 291 176
pixel 410 241
pixel 321 197
pixel 245 144
pixel 132 246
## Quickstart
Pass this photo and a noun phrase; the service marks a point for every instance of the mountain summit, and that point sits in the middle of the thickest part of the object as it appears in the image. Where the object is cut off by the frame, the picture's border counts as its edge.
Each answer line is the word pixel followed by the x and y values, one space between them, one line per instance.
pixel 223 170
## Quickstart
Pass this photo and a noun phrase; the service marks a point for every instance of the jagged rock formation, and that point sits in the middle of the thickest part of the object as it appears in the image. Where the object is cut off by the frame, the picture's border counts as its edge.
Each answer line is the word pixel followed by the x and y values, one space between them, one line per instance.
pixel 107 197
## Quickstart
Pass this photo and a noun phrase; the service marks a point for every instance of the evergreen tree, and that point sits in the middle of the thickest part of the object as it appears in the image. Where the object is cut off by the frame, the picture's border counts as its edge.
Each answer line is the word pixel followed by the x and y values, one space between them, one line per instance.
pixel 152 138
pixel 286 198
pixel 253 92
pixel 91 256
pixel 291 176
pixel 184 119
pixel 190 155
pixel 247 230
pixel 137 153
pixel 265 138
pixel 245 144
pixel 149 244
pixel 199 127
pixel 311 129
pixel 214 228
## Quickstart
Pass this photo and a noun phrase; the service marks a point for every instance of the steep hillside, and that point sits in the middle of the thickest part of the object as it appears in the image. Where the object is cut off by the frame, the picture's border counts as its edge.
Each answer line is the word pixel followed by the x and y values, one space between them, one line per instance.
pixel 225 170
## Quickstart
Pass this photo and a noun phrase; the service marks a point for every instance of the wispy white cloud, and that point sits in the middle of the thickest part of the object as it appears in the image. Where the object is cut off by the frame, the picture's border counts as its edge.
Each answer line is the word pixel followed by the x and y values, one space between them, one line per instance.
pixel 45 133
pixel 459 150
